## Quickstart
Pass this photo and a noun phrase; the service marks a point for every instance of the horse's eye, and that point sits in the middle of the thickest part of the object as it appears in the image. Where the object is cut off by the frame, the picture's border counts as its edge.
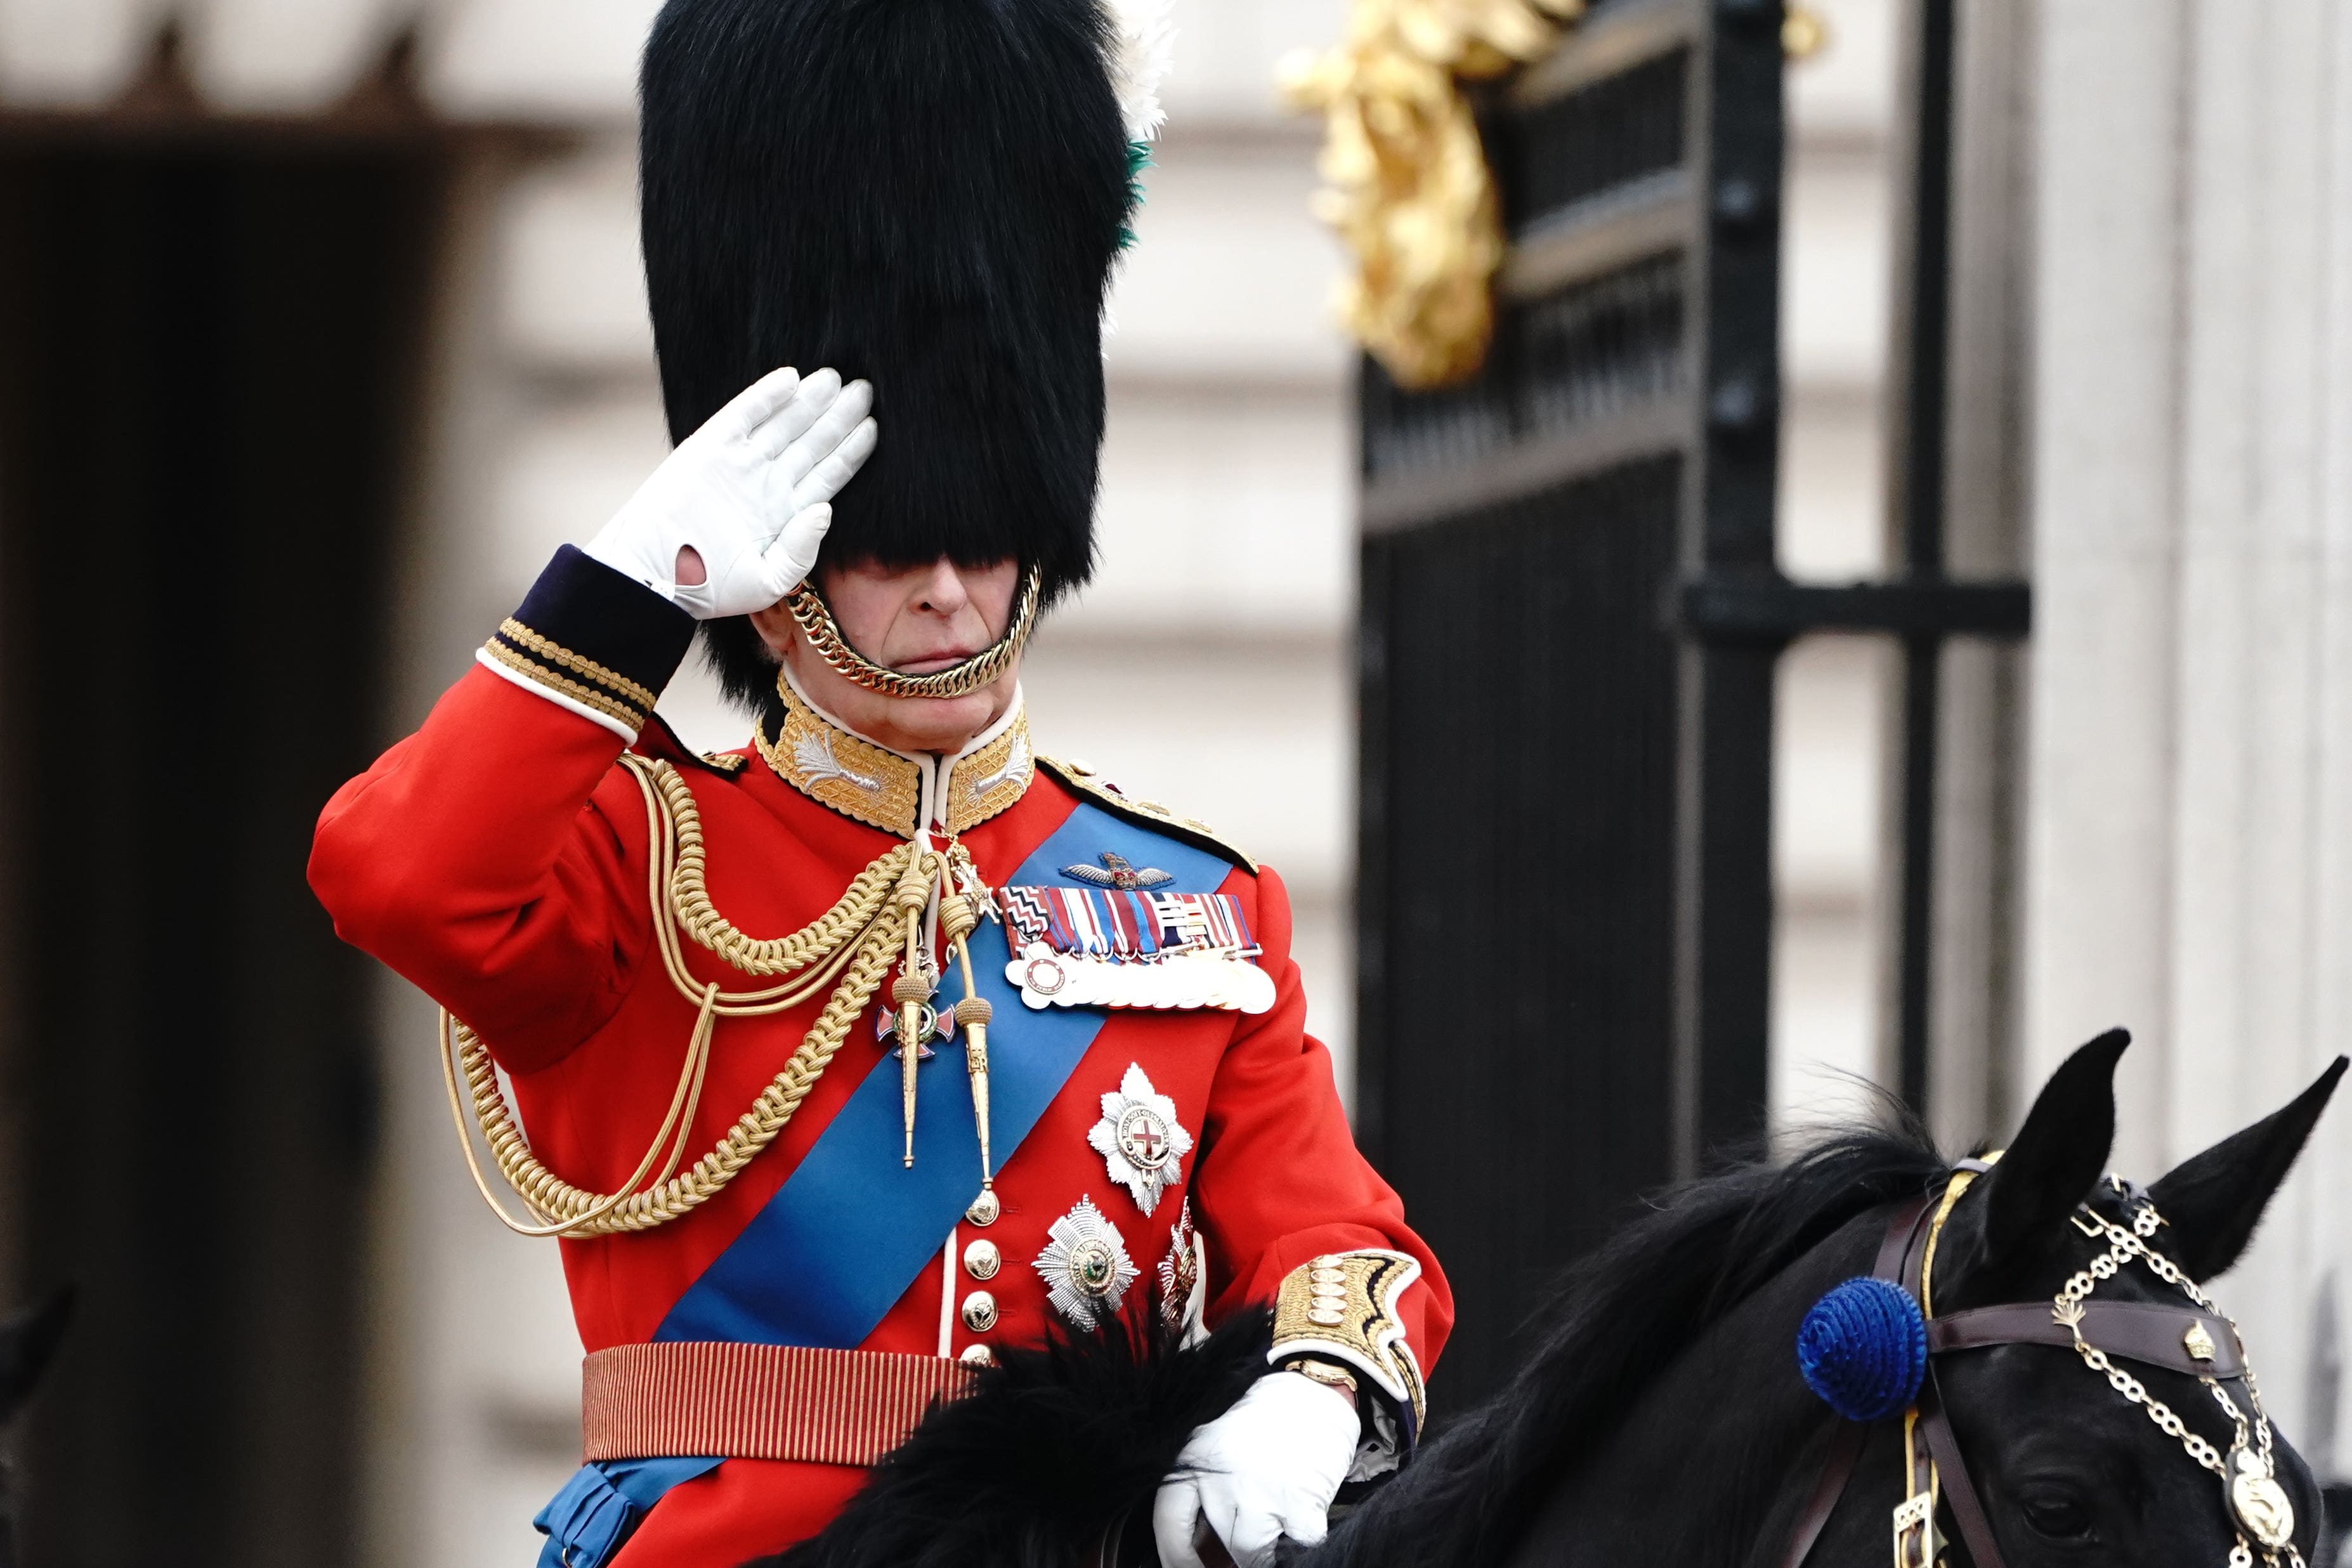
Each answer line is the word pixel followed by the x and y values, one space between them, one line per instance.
pixel 2057 1514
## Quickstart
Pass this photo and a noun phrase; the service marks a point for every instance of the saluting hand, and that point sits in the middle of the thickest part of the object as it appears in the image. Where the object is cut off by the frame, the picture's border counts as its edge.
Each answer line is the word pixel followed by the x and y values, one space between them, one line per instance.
pixel 731 520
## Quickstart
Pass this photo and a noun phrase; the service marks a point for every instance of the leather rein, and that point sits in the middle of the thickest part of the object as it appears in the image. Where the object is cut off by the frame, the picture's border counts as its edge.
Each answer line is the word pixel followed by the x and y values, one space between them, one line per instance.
pixel 2152 1333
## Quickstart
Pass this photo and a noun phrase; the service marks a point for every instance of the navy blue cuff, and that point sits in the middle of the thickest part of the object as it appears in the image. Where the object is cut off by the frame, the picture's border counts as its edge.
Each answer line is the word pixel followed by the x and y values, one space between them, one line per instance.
pixel 594 638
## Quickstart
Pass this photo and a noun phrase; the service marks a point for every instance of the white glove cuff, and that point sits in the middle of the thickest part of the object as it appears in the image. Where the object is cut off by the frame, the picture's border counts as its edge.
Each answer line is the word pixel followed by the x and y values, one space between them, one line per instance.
pixel 1319 1420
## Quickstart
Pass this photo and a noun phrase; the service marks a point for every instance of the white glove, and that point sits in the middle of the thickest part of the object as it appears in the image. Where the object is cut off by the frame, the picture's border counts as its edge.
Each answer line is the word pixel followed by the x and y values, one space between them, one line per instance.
pixel 1266 1468
pixel 747 493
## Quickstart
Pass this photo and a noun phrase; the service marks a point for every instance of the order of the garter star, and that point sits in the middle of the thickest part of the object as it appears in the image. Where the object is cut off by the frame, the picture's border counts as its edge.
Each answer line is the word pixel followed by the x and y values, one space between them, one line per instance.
pixel 1139 1139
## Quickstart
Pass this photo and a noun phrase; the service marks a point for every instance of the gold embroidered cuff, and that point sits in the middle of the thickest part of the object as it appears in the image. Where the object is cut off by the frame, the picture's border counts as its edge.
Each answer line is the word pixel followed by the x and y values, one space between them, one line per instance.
pixel 556 669
pixel 593 640
pixel 1342 1306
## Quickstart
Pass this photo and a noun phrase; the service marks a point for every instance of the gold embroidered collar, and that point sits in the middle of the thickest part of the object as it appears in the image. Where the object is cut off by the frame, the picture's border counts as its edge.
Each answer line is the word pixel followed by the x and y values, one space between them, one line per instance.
pixel 835 766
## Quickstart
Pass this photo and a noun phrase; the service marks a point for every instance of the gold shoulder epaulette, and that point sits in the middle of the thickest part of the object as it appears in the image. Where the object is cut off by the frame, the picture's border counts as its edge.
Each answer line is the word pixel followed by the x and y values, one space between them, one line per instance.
pixel 1148 814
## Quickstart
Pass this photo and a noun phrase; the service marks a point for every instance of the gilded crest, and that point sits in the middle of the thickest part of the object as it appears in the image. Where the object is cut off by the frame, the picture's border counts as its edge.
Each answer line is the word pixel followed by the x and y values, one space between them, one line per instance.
pixel 2258 1502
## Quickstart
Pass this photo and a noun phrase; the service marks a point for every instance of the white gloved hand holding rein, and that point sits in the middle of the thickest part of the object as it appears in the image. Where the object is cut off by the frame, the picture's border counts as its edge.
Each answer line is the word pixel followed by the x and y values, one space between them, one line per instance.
pixel 1266 1468
pixel 747 494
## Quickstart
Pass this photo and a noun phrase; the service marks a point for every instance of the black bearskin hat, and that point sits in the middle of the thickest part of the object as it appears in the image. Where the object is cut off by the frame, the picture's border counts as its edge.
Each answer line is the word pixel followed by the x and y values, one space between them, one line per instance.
pixel 928 193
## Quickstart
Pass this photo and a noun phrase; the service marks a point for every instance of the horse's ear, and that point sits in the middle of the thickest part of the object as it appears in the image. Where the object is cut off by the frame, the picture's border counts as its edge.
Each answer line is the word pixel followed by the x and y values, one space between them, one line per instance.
pixel 2058 1155
pixel 2214 1200
pixel 27 1342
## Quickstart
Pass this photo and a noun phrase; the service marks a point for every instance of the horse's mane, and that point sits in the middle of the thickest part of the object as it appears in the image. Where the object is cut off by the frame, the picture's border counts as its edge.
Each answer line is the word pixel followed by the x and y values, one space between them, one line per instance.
pixel 1646 1293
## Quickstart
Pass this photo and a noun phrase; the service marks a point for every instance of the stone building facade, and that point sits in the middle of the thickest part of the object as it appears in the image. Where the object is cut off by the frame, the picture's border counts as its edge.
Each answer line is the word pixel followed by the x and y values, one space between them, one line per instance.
pixel 1209 665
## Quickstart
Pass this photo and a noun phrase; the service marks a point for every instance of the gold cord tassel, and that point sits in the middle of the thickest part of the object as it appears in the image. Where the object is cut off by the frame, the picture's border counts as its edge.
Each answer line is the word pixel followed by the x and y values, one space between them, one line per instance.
pixel 972 1014
pixel 913 894
pixel 848 951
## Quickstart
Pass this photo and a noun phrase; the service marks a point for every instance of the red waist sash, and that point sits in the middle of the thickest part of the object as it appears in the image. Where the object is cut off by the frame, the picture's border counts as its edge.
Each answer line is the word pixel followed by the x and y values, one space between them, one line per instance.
pixel 681 1398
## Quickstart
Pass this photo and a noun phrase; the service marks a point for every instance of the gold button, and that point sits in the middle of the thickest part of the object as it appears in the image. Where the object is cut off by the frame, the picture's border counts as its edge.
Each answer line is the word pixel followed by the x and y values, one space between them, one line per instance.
pixel 978 1355
pixel 981 1260
pixel 980 1311
pixel 985 1208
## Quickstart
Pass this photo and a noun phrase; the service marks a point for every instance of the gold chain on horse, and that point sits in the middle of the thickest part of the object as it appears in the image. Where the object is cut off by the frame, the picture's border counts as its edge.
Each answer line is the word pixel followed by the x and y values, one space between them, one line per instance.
pixel 2255 1503
pixel 816 623
pixel 850 948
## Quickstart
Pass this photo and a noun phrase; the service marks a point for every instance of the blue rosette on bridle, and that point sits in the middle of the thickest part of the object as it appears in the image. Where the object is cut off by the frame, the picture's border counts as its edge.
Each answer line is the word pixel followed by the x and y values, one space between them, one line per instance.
pixel 1863 1349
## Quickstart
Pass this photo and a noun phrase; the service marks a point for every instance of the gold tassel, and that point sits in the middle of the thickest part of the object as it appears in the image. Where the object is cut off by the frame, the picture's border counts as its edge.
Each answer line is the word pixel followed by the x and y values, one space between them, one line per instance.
pixel 912 894
pixel 972 1014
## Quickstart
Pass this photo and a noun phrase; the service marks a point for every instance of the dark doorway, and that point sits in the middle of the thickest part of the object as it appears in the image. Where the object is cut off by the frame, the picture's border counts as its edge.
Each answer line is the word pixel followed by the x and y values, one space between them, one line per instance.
pixel 208 356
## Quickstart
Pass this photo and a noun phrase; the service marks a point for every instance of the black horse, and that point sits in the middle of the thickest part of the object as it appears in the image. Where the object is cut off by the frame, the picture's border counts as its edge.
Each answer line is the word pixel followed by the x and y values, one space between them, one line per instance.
pixel 28 1343
pixel 1664 1418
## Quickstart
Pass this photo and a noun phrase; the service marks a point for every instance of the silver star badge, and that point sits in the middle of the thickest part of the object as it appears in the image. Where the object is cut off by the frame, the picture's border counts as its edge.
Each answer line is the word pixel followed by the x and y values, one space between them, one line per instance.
pixel 1140 1140
pixel 1085 1267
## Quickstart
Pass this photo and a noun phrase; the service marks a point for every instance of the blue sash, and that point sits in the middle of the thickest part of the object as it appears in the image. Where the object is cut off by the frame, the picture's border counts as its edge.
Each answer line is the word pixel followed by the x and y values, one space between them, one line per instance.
pixel 602 1504
pixel 852 1228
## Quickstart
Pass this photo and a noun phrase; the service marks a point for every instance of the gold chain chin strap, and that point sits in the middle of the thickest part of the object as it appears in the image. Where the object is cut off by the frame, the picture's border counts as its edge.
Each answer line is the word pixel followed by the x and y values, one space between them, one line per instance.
pixel 1913 1517
pixel 816 623
pixel 2252 1436
pixel 853 943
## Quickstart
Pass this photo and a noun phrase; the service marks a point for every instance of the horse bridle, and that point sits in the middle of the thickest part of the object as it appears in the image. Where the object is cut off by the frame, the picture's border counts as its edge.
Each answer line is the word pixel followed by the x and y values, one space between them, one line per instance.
pixel 2199 1342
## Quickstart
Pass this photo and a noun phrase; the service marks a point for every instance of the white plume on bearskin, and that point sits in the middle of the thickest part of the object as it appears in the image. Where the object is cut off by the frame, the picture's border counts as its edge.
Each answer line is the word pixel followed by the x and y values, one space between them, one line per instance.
pixel 1144 50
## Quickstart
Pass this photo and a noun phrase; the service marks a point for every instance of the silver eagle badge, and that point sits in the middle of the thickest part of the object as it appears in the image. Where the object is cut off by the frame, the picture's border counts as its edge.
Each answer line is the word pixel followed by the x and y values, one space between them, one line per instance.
pixel 1085 1267
pixel 1116 872
pixel 1139 1139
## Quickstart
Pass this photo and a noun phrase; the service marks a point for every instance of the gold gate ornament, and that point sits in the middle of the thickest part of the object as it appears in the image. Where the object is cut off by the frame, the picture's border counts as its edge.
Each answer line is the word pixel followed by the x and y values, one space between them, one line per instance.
pixel 1405 179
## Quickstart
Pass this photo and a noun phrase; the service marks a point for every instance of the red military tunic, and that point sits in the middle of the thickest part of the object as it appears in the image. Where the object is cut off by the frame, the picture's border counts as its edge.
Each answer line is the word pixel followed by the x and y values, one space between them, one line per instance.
pixel 498 859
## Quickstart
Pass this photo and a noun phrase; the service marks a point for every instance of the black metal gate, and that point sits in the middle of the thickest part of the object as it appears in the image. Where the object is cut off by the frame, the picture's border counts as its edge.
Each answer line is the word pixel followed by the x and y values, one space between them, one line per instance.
pixel 1572 614
pixel 1548 861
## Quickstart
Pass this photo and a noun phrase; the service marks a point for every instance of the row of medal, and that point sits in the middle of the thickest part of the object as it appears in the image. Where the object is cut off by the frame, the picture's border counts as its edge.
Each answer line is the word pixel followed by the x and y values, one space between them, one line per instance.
pixel 1178 978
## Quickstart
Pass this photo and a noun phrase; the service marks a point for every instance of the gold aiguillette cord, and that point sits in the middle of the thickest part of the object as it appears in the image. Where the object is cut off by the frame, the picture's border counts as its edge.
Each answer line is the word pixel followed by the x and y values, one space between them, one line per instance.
pixel 958 918
pixel 846 951
pixel 911 897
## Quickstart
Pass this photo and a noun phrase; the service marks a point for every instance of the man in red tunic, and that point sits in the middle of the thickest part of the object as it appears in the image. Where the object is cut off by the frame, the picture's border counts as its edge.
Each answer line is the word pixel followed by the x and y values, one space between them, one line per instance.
pixel 843 1059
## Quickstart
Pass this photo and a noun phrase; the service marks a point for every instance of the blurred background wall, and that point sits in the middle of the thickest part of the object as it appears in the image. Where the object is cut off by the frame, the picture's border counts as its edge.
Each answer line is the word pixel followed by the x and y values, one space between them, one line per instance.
pixel 384 1375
